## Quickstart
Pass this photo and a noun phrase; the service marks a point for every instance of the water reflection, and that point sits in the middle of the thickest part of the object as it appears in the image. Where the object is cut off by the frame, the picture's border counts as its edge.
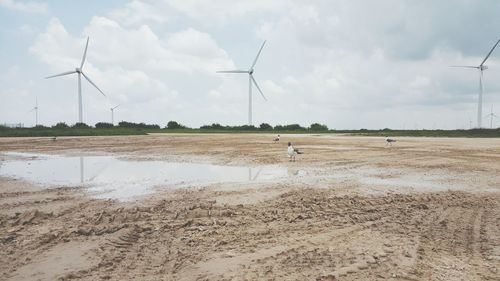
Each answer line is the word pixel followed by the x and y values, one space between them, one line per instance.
pixel 252 177
pixel 82 168
pixel 115 178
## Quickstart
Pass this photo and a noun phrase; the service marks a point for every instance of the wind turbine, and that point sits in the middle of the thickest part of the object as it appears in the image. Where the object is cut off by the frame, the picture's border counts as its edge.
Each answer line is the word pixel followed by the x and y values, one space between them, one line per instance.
pixel 112 114
pixel 491 115
pixel 36 111
pixel 251 80
pixel 79 71
pixel 481 68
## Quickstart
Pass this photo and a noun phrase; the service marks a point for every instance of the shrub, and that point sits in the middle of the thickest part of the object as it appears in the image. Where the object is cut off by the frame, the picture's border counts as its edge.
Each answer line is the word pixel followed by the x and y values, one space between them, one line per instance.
pixel 318 127
pixel 244 128
pixel 293 127
pixel 175 125
pixel 124 124
pixel 60 125
pixel 215 126
pixel 102 125
pixel 80 125
pixel 265 126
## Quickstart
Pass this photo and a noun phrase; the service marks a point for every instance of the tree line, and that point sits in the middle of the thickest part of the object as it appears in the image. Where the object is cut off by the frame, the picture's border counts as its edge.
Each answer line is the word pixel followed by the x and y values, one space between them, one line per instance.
pixel 173 125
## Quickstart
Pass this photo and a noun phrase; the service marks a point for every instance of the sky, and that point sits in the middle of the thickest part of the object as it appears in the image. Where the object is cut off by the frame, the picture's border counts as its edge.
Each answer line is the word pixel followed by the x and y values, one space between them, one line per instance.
pixel 349 64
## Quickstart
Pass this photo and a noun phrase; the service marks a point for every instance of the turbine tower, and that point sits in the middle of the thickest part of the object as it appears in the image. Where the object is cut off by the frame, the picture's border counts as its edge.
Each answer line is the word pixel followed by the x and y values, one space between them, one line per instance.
pixel 481 68
pixel 79 71
pixel 36 111
pixel 112 114
pixel 251 80
pixel 491 115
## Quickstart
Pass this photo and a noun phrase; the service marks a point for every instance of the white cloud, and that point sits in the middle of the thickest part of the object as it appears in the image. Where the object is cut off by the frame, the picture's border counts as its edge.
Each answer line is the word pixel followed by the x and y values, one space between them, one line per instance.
pixel 138 12
pixel 132 65
pixel 25 6
pixel 347 64
pixel 223 11
pixel 134 48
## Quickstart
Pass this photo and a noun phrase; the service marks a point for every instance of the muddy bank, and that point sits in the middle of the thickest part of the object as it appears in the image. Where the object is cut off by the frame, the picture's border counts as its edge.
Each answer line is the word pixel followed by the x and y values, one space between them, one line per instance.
pixel 357 211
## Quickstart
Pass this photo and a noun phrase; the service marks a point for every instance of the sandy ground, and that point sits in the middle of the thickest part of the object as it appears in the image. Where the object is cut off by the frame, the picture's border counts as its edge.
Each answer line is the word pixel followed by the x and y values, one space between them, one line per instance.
pixel 350 209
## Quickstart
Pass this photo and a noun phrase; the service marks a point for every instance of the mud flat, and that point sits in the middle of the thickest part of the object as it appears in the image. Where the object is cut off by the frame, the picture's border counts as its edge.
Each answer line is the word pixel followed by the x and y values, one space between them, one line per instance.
pixel 348 209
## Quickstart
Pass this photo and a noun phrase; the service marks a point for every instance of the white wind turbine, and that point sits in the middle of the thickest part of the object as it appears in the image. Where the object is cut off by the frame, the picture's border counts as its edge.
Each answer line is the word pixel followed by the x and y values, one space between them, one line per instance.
pixel 112 114
pixel 36 111
pixel 481 68
pixel 79 71
pixel 491 115
pixel 251 80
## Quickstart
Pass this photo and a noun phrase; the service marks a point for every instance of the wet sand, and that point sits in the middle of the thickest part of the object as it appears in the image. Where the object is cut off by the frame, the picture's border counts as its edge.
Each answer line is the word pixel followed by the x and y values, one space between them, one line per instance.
pixel 350 208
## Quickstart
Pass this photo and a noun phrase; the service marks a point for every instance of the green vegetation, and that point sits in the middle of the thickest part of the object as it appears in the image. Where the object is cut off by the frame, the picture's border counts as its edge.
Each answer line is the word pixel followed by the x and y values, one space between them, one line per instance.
pixel 103 125
pixel 174 125
pixel 129 128
pixel 473 133
pixel 124 124
pixel 53 132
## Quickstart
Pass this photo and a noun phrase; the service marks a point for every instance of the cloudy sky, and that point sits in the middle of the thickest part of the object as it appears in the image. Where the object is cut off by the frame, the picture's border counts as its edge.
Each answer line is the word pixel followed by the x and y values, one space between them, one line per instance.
pixel 346 64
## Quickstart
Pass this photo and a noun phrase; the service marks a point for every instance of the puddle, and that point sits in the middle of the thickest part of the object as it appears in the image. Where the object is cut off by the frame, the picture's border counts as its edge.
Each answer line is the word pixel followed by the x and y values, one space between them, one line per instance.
pixel 336 147
pixel 110 177
pixel 417 182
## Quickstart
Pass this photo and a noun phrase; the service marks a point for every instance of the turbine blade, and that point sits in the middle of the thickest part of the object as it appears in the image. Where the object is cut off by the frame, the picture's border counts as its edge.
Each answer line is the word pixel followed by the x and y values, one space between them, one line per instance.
pixel 487 56
pixel 93 84
pixel 258 88
pixel 61 74
pixel 116 106
pixel 467 66
pixel 258 54
pixel 85 53
pixel 233 71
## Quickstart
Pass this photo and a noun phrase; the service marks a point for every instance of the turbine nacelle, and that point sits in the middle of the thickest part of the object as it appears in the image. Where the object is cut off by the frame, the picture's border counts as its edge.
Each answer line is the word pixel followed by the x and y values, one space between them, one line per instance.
pixel 80 73
pixel 480 67
pixel 251 81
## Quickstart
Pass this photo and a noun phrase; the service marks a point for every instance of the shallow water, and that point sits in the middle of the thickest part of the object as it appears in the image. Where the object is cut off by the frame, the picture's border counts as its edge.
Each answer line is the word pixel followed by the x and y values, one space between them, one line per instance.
pixel 111 177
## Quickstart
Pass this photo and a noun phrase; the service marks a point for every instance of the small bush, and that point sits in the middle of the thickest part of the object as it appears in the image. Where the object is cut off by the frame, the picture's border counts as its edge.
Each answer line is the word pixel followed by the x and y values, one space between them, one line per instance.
pixel 124 124
pixel 60 125
pixel 293 127
pixel 175 125
pixel 265 126
pixel 244 128
pixel 80 125
pixel 318 127
pixel 215 126
pixel 102 125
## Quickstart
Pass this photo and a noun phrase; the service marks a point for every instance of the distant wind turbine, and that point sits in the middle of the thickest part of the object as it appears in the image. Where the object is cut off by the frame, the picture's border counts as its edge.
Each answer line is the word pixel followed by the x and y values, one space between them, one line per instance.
pixel 251 80
pixel 481 68
pixel 79 71
pixel 491 115
pixel 36 111
pixel 112 114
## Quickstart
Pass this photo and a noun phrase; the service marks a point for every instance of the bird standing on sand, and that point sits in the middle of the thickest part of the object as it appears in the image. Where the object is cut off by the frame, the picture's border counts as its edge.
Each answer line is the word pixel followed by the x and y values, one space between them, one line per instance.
pixel 277 139
pixel 389 141
pixel 292 151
